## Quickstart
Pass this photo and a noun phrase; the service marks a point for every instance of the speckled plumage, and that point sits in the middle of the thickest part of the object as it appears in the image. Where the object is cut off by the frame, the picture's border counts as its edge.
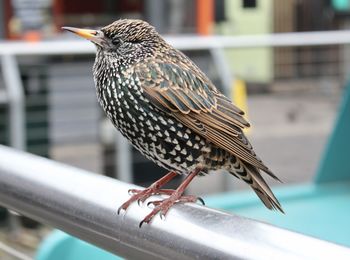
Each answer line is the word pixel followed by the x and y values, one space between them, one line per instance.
pixel 169 110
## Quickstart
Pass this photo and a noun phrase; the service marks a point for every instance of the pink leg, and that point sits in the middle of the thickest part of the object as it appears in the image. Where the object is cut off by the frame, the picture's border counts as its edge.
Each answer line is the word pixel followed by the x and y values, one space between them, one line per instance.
pixel 163 206
pixel 142 195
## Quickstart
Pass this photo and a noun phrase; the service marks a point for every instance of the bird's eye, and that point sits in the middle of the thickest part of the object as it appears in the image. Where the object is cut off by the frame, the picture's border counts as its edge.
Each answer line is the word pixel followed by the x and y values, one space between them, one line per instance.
pixel 116 41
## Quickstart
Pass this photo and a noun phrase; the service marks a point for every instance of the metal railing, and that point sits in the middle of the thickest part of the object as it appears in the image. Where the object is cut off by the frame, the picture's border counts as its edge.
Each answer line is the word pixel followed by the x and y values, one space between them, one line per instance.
pixel 84 204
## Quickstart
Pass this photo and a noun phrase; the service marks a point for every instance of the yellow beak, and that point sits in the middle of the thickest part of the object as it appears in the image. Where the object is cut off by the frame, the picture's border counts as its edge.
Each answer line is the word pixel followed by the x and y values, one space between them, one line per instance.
pixel 85 33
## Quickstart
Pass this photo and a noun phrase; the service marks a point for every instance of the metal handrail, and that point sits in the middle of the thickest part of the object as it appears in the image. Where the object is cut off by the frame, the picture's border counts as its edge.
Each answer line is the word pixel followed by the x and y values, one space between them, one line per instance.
pixel 189 42
pixel 84 204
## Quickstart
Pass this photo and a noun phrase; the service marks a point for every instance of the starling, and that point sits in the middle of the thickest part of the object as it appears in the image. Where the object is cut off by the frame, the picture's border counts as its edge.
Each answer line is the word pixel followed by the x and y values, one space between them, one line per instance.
pixel 171 112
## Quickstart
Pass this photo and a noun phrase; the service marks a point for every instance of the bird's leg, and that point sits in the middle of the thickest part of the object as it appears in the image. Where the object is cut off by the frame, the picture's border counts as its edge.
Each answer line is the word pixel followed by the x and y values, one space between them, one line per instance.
pixel 163 206
pixel 142 195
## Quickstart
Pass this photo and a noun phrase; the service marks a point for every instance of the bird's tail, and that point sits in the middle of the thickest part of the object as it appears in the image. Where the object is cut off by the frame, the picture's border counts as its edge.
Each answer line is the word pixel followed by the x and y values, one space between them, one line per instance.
pixel 252 176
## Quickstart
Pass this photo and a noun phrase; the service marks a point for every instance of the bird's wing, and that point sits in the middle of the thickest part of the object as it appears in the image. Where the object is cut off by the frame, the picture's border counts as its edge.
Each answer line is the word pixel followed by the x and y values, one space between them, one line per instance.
pixel 184 92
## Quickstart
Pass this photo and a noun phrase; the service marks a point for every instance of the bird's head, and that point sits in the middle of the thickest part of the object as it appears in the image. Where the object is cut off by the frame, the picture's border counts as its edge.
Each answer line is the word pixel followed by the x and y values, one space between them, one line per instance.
pixel 126 38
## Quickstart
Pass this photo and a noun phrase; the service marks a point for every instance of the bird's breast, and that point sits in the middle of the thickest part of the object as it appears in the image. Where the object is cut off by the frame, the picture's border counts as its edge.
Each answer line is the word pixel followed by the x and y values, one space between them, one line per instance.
pixel 154 133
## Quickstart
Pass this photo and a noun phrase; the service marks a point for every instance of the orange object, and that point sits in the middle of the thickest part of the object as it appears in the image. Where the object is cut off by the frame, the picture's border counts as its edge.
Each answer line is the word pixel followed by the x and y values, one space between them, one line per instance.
pixel 32 36
pixel 205 16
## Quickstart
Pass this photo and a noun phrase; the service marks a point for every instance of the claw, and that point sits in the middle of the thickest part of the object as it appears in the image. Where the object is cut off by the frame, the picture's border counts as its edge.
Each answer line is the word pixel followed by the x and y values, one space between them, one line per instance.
pixel 141 196
pixel 162 216
pixel 119 210
pixel 162 208
pixel 154 203
pixel 201 201
pixel 141 223
pixel 147 219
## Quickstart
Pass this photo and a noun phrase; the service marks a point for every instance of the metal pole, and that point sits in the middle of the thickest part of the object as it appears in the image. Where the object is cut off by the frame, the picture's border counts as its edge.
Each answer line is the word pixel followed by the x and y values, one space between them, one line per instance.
pixel 16 100
pixel 3 97
pixel 84 204
pixel 15 95
pixel 188 43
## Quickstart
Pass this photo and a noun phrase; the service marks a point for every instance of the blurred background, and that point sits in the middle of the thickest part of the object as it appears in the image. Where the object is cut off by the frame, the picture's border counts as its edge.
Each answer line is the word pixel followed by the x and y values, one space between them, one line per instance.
pixel 290 93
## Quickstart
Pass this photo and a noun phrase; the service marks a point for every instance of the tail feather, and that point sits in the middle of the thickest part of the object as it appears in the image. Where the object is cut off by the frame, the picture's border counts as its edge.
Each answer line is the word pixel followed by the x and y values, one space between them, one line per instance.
pixel 263 190
pixel 271 174
pixel 252 176
pixel 270 202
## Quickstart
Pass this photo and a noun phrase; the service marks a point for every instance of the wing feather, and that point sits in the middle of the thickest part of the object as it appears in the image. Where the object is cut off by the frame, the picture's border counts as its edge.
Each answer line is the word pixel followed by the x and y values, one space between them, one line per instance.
pixel 184 92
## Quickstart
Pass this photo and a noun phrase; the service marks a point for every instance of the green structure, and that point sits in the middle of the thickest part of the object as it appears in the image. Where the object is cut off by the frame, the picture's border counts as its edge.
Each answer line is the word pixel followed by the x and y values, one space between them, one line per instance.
pixel 341 5
pixel 59 245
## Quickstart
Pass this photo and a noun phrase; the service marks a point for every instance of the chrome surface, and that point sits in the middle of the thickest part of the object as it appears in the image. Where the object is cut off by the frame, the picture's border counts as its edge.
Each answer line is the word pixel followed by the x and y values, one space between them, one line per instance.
pixel 16 107
pixel 15 99
pixel 84 204
pixel 190 42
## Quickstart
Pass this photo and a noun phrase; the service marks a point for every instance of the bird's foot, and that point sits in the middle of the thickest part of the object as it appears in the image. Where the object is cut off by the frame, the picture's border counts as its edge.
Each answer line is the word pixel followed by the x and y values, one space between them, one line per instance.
pixel 142 195
pixel 162 206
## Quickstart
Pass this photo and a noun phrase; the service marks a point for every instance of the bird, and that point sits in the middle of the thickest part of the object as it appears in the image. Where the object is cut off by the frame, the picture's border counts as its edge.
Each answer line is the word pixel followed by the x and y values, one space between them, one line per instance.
pixel 171 112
